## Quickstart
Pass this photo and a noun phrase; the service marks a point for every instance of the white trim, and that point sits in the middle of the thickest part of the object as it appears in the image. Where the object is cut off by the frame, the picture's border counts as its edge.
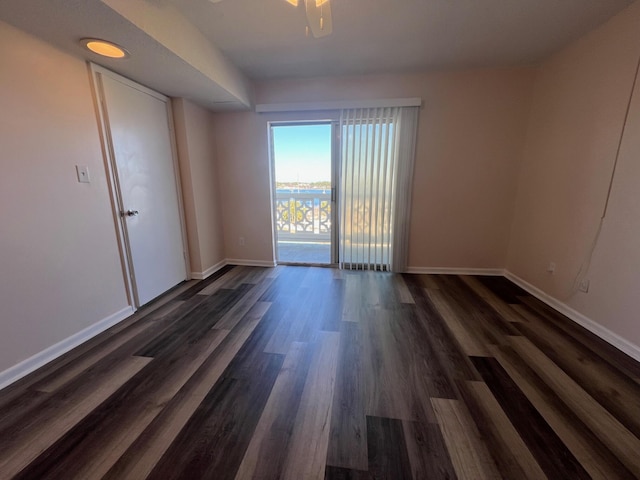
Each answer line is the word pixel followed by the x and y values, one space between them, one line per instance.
pixel 27 366
pixel 594 327
pixel 98 69
pixel 337 105
pixel 455 271
pixel 114 190
pixel 97 73
pixel 272 190
pixel 250 263
pixel 209 271
pixel 178 184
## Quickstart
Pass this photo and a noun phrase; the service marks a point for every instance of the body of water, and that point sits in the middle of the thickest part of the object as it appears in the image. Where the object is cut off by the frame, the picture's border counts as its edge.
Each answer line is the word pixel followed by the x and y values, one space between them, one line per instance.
pixel 326 191
pixel 312 191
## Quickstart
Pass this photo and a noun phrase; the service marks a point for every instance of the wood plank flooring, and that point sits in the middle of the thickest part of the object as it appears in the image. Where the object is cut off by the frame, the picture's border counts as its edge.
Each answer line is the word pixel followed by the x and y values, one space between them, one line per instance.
pixel 312 373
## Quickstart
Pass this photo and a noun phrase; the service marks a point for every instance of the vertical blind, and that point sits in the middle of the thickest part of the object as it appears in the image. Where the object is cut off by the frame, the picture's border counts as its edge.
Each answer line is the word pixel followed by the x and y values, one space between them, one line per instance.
pixel 376 166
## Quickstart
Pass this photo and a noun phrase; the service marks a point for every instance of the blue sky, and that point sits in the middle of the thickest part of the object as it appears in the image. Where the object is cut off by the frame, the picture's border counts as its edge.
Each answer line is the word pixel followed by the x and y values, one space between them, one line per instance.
pixel 302 153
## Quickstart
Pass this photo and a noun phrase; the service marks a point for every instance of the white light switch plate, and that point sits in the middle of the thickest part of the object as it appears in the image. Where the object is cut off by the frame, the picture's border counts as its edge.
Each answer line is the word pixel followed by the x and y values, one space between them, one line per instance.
pixel 83 173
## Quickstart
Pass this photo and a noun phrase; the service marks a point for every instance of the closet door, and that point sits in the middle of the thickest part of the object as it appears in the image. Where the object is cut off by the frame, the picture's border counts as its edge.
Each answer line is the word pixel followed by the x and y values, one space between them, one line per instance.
pixel 138 130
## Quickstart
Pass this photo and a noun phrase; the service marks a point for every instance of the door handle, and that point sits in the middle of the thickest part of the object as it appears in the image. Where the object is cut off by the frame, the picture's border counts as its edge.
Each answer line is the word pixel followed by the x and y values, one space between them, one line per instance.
pixel 129 213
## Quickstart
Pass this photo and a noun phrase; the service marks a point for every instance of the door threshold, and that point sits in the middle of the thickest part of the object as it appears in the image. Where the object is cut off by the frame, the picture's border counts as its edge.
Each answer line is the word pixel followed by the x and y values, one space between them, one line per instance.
pixel 306 264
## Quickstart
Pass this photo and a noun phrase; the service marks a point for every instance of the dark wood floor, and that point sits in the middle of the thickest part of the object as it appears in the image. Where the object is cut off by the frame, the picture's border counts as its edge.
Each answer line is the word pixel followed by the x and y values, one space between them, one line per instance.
pixel 305 373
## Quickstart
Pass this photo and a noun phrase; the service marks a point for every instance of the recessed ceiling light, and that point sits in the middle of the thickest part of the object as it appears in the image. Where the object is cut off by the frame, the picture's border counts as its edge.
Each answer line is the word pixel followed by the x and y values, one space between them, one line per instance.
pixel 104 48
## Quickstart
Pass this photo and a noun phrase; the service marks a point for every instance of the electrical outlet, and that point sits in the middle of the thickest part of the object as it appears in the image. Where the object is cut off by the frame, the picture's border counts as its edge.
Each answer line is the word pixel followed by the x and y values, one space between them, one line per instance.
pixel 551 268
pixel 584 286
pixel 241 241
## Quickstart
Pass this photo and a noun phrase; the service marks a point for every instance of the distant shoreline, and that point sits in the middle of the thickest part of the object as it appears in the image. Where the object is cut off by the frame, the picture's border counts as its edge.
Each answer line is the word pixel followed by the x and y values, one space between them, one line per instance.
pixel 303 190
pixel 323 185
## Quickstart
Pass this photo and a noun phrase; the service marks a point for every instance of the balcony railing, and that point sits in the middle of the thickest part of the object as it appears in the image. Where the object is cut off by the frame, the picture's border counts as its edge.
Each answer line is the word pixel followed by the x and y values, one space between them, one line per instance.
pixel 303 216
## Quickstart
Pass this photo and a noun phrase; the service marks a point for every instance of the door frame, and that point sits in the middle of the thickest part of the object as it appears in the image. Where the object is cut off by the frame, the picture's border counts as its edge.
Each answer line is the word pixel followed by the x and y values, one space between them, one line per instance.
pixel 335 177
pixel 102 116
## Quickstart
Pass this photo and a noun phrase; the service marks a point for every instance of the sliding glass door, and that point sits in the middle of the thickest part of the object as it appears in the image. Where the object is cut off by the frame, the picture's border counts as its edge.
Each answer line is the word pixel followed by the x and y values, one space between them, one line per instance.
pixel 376 167
pixel 349 180
pixel 304 192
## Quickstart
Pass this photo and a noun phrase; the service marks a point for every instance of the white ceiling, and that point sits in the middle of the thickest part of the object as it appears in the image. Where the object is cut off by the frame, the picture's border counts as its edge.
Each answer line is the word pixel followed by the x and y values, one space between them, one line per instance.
pixel 171 41
pixel 265 38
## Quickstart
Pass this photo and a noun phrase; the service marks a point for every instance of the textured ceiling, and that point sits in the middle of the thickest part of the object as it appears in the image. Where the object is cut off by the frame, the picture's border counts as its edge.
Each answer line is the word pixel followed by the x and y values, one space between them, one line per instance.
pixel 64 22
pixel 176 44
pixel 265 38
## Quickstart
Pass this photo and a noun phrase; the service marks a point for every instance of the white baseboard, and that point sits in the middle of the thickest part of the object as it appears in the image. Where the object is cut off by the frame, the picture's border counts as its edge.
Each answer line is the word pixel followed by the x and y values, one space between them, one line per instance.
pixel 456 271
pixel 594 327
pixel 250 263
pixel 209 271
pixel 27 366
pixel 230 261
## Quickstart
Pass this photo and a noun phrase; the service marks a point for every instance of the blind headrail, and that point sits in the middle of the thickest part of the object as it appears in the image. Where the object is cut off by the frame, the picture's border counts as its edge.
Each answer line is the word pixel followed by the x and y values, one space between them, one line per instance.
pixel 337 105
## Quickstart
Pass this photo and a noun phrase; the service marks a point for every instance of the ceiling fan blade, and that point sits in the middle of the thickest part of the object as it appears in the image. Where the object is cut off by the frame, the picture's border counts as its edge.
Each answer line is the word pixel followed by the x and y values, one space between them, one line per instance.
pixel 319 17
pixel 319 21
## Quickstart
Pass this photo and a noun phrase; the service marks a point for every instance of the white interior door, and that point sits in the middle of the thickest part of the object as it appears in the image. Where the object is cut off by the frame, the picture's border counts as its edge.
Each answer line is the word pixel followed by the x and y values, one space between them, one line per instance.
pixel 136 121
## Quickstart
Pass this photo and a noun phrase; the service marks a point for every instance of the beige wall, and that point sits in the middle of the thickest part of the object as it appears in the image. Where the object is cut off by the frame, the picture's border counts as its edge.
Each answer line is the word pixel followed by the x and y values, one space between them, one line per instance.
pixel 508 160
pixel 579 104
pixel 59 258
pixel 200 190
pixel 166 25
pixel 471 132
pixel 243 163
